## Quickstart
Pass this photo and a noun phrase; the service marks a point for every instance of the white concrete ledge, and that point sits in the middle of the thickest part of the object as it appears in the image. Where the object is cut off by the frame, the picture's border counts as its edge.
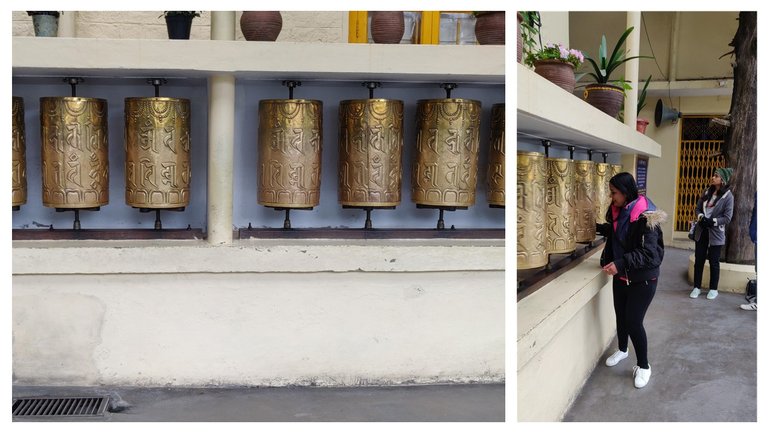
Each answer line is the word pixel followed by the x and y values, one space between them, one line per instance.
pixel 575 122
pixel 153 257
pixel 257 60
pixel 562 330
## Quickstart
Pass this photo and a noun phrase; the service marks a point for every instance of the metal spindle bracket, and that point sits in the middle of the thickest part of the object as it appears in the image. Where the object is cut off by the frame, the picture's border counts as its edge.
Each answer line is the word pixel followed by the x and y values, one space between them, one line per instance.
pixel 291 84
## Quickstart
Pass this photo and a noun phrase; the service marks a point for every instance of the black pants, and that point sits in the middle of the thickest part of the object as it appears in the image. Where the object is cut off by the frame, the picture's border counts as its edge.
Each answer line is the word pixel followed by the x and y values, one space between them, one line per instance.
pixel 631 302
pixel 703 251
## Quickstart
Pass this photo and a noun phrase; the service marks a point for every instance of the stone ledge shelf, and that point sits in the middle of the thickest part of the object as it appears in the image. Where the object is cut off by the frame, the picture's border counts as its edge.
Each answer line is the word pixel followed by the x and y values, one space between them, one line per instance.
pixel 173 257
pixel 545 110
pixel 257 60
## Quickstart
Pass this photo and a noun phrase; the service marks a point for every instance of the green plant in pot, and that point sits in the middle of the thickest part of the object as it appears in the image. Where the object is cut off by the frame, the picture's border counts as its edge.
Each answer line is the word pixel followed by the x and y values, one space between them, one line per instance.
pixel 557 64
pixel 641 124
pixel 46 23
pixel 601 94
pixel 179 23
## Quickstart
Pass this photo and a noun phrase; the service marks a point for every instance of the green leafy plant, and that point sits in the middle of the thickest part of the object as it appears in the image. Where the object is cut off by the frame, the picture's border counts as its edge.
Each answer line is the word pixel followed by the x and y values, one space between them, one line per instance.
pixel 53 13
pixel 604 66
pixel 530 28
pixel 180 14
pixel 641 102
pixel 555 52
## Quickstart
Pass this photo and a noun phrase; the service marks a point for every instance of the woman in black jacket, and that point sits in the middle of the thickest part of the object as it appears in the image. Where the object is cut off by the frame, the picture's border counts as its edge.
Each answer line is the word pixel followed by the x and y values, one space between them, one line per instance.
pixel 632 254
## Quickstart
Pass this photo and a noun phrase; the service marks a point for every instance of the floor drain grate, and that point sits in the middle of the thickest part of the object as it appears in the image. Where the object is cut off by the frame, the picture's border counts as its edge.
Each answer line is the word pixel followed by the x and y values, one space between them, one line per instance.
pixel 59 406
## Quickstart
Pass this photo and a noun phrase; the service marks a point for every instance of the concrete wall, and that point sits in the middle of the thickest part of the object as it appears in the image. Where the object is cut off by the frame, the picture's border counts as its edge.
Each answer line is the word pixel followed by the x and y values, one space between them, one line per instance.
pixel 298 26
pixel 663 171
pixel 258 313
pixel 562 330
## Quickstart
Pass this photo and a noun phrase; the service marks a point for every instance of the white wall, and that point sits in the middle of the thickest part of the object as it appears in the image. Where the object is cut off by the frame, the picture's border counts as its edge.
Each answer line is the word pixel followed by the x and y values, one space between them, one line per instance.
pixel 258 313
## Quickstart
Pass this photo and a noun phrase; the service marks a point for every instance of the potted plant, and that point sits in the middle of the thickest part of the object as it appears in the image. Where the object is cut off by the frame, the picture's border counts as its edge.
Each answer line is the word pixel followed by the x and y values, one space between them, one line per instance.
pixel 557 64
pixel 262 26
pixel 490 27
pixel 179 23
pixel 641 124
pixel 601 94
pixel 46 23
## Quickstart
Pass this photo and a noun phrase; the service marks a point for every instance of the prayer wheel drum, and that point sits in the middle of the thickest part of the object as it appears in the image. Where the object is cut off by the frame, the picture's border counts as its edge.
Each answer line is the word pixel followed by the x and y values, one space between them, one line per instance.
pixel 602 200
pixel 19 154
pixel 585 210
pixel 446 162
pixel 289 154
pixel 560 205
pixel 75 163
pixel 531 213
pixel 496 171
pixel 157 139
pixel 371 143
pixel 615 169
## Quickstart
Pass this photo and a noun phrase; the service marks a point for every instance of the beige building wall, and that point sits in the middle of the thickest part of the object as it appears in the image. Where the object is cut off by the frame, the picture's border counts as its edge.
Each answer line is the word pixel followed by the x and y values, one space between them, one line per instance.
pixel 298 26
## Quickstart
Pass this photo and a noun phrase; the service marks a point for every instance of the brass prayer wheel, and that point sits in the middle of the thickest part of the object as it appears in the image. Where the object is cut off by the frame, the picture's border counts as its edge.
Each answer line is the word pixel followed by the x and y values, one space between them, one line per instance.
pixel 615 169
pixel 602 190
pixel 157 139
pixel 19 154
pixel 371 143
pixel 585 211
pixel 289 154
pixel 496 171
pixel 531 213
pixel 560 205
pixel 446 162
pixel 75 164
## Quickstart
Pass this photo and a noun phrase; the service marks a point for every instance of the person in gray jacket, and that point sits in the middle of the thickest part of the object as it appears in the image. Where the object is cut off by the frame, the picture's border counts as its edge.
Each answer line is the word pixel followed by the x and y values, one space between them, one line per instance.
pixel 715 210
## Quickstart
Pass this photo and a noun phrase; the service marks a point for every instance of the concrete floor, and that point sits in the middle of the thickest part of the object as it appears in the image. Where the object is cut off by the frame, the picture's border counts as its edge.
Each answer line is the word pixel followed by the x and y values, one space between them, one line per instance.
pixel 402 403
pixel 703 355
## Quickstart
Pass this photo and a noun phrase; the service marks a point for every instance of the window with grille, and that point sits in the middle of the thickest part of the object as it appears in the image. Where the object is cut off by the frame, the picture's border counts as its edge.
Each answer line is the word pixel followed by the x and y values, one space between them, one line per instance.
pixel 700 145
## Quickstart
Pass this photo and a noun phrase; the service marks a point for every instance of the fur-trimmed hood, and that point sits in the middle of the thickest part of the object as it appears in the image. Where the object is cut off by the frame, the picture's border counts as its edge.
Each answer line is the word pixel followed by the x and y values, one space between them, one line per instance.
pixel 655 218
pixel 643 206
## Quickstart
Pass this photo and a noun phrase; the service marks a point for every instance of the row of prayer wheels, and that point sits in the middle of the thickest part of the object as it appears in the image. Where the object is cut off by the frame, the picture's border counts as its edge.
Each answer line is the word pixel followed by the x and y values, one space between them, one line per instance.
pixel 559 202
pixel 75 169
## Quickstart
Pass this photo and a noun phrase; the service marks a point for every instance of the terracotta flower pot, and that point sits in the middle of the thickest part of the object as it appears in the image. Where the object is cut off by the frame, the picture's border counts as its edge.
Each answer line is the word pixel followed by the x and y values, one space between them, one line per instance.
pixel 490 28
pixel 261 25
pixel 560 73
pixel 605 97
pixel 641 125
pixel 387 27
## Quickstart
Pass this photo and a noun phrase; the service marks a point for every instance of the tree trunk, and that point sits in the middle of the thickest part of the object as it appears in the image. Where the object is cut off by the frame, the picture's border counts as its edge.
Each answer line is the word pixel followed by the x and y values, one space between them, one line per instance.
pixel 741 145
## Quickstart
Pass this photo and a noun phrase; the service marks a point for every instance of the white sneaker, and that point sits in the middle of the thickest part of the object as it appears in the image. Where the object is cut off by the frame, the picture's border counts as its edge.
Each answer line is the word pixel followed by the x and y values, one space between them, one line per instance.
pixel 695 293
pixel 616 357
pixel 641 376
pixel 749 307
pixel 712 294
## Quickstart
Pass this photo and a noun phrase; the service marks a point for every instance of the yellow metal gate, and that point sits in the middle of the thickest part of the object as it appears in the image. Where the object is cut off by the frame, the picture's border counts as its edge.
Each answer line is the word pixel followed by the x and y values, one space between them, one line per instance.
pixel 700 143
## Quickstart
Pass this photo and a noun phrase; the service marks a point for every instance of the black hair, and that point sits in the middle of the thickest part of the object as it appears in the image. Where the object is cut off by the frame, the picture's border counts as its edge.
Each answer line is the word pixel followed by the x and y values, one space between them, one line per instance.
pixel 710 191
pixel 626 184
